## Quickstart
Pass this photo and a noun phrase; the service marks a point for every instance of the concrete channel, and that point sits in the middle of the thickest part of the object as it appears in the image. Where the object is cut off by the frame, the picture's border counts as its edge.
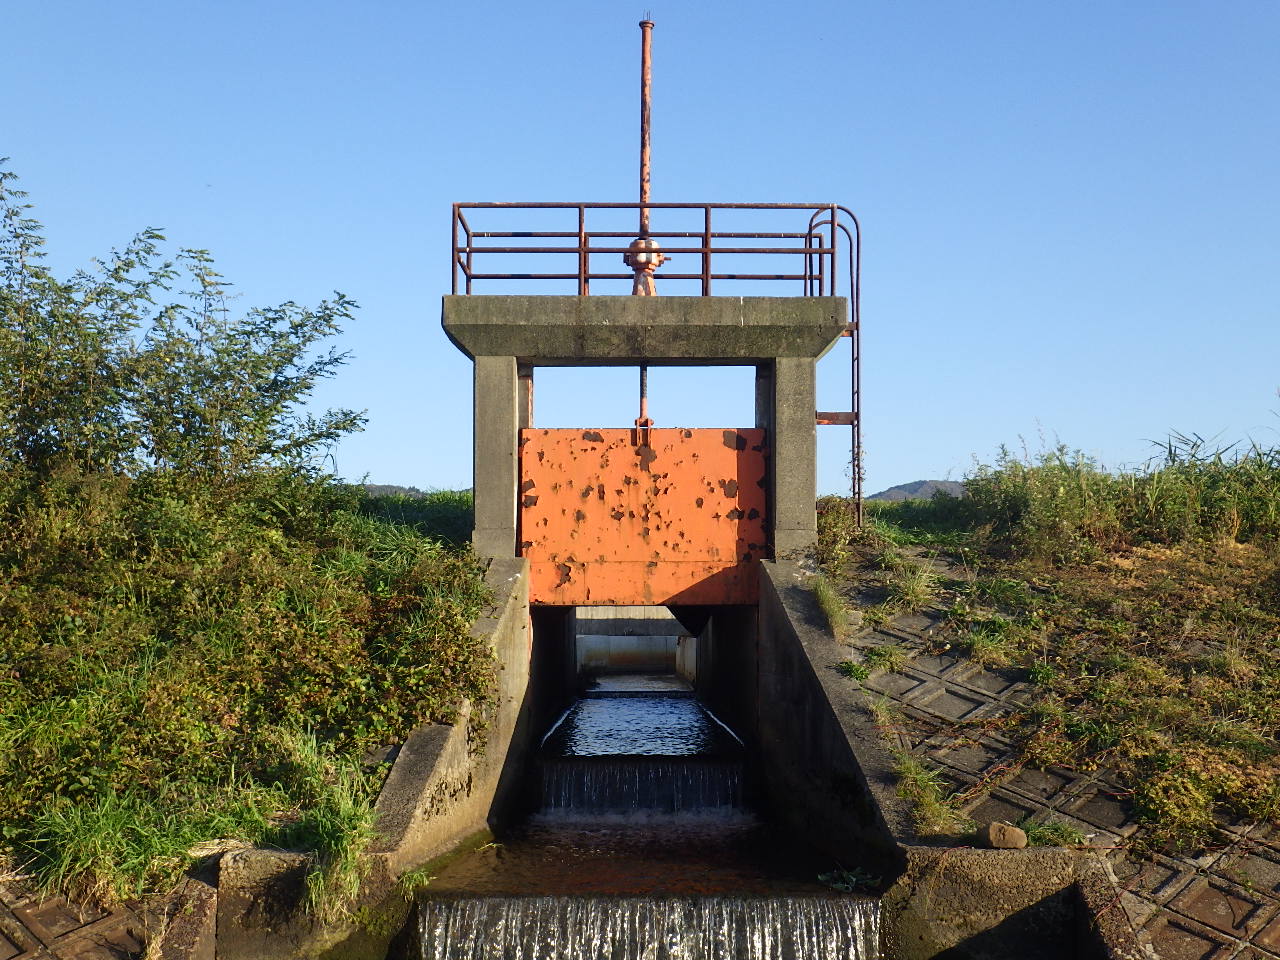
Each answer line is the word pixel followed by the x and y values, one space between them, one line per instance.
pixel 818 765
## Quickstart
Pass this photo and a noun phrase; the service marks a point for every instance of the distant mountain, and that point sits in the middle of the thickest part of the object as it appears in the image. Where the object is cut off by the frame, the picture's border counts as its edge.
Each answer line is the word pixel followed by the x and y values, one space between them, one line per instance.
pixel 390 489
pixel 920 490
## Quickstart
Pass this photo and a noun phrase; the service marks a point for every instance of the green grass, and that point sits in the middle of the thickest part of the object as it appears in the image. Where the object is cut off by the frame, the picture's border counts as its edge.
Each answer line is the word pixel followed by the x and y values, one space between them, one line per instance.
pixel 912 586
pixel 184 662
pixel 1051 833
pixel 1144 606
pixel 833 608
pixel 926 789
pixel 891 657
pixel 854 671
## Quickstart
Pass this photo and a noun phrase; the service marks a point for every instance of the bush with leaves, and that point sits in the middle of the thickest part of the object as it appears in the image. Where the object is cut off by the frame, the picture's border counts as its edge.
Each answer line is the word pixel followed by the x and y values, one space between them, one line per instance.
pixel 202 637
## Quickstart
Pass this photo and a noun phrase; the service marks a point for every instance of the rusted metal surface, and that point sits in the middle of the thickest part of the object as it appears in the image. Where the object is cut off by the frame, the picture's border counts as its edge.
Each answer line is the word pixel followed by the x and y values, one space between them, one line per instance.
pixel 837 419
pixel 646 84
pixel 678 520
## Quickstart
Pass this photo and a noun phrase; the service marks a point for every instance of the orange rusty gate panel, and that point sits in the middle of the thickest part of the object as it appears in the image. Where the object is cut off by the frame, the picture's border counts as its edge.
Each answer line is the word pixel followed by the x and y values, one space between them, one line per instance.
pixel 677 520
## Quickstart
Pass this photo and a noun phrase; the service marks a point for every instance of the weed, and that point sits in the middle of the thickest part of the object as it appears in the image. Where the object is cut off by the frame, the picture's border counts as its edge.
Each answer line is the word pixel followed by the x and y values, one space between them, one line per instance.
pixel 854 671
pixel 885 711
pixel 833 607
pixel 413 880
pixel 987 646
pixel 837 529
pixel 926 789
pixel 1051 833
pixel 891 657
pixel 912 586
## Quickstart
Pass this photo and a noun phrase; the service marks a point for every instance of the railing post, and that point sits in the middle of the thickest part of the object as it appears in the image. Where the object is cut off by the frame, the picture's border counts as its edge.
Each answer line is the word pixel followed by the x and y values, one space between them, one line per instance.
pixel 706 251
pixel 834 248
pixel 453 252
pixel 582 251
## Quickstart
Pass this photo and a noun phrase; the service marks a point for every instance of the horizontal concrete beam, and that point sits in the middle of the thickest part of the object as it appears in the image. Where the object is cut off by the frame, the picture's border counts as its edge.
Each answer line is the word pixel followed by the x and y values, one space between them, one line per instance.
pixel 602 331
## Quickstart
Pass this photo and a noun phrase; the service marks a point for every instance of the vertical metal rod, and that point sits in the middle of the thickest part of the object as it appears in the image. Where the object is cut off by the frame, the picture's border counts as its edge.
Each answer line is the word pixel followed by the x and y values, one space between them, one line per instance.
pixel 706 251
pixel 453 257
pixel 644 393
pixel 835 249
pixel 646 78
pixel 582 251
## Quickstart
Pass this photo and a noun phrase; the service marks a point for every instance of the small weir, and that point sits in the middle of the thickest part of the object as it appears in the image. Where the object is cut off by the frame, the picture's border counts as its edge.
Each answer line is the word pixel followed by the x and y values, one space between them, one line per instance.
pixel 643 844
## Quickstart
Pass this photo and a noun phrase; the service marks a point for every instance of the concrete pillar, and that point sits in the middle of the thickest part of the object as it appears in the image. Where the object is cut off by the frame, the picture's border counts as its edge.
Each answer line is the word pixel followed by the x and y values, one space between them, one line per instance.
pixel 496 464
pixel 525 372
pixel 793 465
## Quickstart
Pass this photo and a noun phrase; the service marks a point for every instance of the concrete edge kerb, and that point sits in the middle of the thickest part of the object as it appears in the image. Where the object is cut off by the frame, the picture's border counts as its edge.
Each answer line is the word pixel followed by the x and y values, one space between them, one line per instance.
pixel 789 582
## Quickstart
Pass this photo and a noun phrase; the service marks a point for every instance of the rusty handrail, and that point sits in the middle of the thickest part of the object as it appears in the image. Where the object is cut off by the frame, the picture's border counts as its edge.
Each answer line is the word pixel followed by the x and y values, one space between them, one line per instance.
pixel 830 230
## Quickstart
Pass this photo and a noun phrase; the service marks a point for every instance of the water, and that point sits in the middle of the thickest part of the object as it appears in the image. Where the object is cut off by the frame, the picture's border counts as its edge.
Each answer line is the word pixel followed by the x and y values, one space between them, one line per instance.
pixel 599 928
pixel 644 848
pixel 659 784
pixel 650 725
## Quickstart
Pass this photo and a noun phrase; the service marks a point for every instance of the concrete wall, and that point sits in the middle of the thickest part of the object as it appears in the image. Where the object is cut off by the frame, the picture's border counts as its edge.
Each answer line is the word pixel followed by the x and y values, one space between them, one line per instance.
pixel 604 653
pixel 829 773
pixel 628 621
pixel 687 658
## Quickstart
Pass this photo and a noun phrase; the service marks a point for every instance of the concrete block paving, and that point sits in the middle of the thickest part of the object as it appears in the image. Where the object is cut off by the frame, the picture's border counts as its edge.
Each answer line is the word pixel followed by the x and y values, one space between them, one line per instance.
pixel 1221 905
pixel 53 928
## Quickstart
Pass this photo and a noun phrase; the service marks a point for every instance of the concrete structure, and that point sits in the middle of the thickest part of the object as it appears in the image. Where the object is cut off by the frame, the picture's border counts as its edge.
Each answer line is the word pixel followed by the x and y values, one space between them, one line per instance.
pixel 508 337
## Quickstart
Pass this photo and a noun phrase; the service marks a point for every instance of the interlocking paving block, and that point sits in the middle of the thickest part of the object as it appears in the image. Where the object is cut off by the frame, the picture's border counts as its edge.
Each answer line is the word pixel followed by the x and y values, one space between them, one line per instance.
pixel 935 663
pixel 1157 879
pixel 1224 907
pixel 1266 835
pixel 16 933
pixel 1040 785
pixel 1253 867
pixel 1176 938
pixel 975 757
pixel 894 684
pixel 8 949
pixel 948 704
pixel 994 807
pixel 1137 909
pixel 1102 809
pixel 913 623
pixel 54 917
pixel 116 943
pixel 1269 936
pixel 995 682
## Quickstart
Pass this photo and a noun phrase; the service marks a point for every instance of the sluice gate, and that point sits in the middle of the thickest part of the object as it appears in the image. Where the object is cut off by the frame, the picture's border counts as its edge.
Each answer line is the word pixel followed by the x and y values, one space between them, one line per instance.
pixel 637 813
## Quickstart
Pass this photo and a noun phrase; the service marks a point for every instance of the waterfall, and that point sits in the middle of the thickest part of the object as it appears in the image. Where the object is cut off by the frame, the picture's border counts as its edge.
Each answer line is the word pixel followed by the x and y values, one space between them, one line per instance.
pixel 642 928
pixel 590 785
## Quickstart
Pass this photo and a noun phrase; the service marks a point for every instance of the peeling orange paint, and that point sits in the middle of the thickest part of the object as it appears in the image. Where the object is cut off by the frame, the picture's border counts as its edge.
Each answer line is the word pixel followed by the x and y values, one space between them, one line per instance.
pixel 680 519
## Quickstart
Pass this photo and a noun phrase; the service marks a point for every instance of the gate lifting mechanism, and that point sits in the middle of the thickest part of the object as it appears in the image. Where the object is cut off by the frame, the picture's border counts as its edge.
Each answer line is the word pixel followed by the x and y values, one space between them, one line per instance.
pixel 831 230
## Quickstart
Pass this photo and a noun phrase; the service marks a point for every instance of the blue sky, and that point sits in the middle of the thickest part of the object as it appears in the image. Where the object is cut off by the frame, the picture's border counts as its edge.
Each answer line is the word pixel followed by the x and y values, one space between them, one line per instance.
pixel 1071 211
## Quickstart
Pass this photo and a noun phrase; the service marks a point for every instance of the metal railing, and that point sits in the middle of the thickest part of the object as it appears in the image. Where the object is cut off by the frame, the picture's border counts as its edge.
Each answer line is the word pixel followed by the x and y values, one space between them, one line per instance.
pixel 826 245
pixel 828 234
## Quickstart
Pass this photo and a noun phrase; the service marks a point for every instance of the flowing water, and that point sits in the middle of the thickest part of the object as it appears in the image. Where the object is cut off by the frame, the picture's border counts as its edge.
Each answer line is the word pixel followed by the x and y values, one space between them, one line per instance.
pixel 644 848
